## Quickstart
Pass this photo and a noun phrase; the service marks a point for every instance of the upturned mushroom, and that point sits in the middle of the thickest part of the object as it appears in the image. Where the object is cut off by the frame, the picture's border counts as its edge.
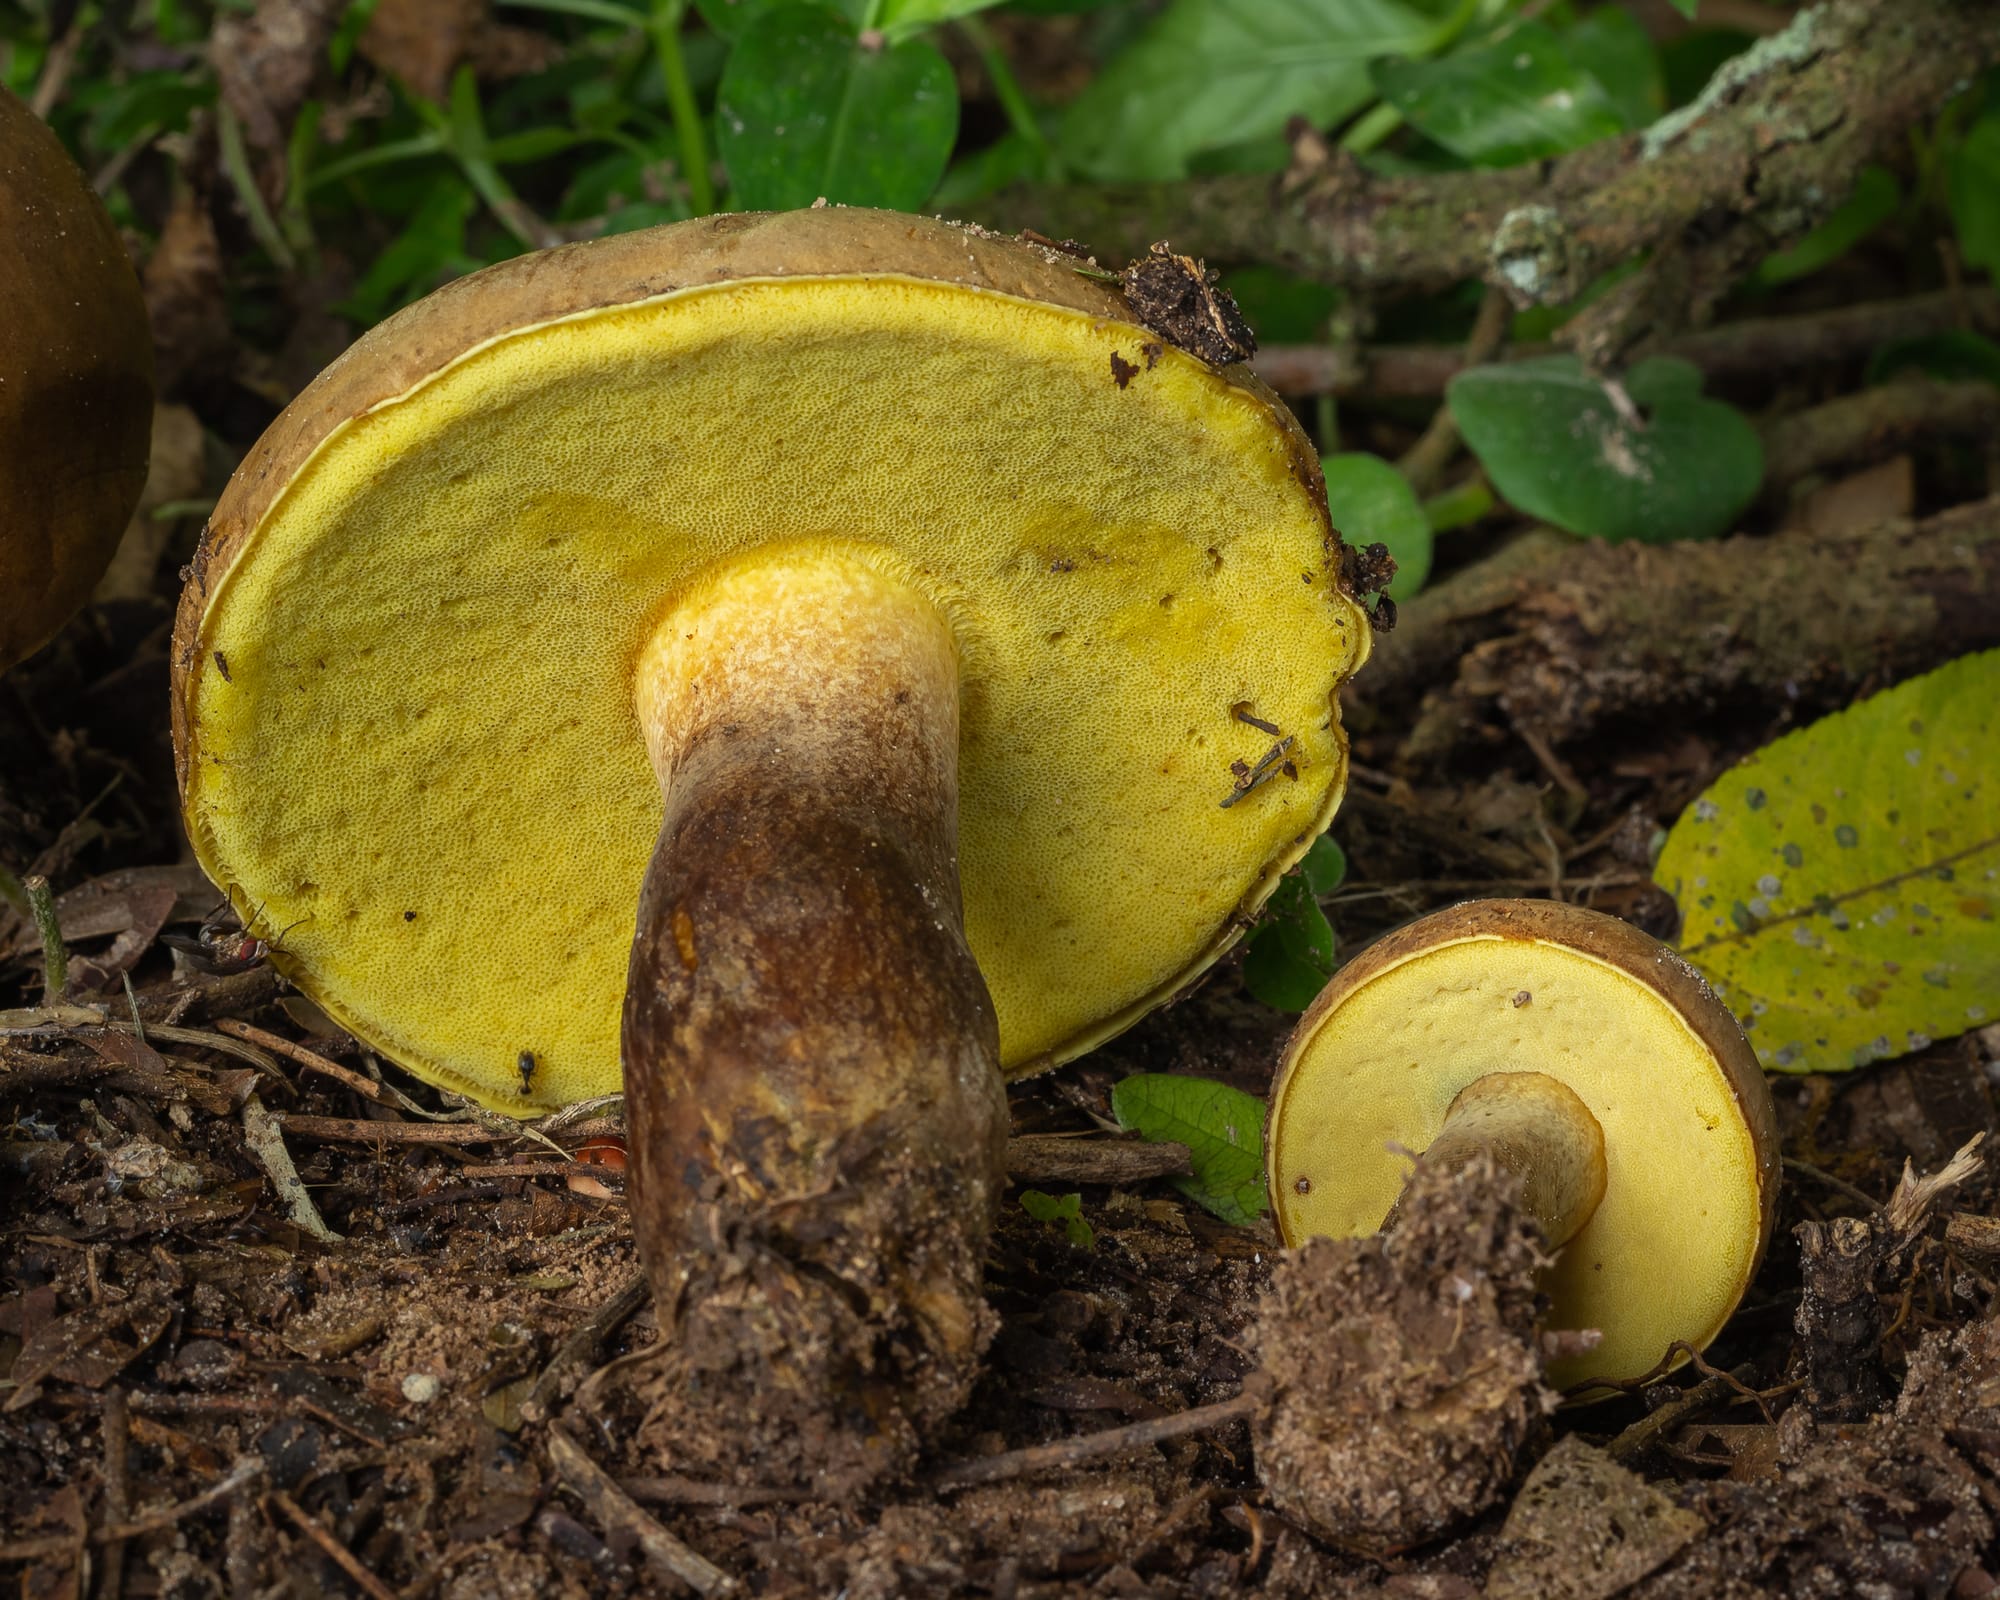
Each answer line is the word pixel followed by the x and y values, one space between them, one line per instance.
pixel 1591 1072
pixel 880 609
pixel 76 385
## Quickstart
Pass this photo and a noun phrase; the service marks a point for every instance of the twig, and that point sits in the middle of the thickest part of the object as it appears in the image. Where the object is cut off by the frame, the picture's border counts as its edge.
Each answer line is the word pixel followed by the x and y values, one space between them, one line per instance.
pixel 116 1421
pixel 1644 1434
pixel 350 1130
pixel 367 1088
pixel 1056 1158
pixel 245 1471
pixel 1755 347
pixel 1875 423
pixel 1839 1185
pixel 1093 1446
pixel 617 1512
pixel 694 1492
pixel 579 1352
pixel 1432 452
pixel 263 1136
pixel 335 1551
pixel 1766 152
pixel 56 68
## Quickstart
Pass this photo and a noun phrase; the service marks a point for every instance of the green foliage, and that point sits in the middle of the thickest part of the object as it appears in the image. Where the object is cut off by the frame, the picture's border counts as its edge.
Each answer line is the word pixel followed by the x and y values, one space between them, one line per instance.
pixel 807 110
pixel 1222 1127
pixel 1065 1212
pixel 1289 955
pixel 1373 503
pixel 1561 445
pixel 1613 48
pixel 1210 73
pixel 1973 174
pixel 1953 353
pixel 1841 888
pixel 1518 99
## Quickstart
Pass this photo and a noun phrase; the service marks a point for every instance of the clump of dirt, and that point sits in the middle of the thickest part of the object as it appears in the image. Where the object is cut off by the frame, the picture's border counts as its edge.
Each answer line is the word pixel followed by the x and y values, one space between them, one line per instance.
pixel 1405 1368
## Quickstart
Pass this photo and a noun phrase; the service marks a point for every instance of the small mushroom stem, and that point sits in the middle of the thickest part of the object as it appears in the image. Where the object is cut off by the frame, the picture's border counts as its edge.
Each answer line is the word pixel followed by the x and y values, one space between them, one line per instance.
pixel 817 1117
pixel 1537 1128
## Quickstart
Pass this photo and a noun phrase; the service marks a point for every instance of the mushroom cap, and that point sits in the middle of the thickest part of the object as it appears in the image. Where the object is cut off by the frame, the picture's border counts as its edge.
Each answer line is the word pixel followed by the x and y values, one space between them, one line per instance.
pixel 1690 1138
pixel 76 385
pixel 403 666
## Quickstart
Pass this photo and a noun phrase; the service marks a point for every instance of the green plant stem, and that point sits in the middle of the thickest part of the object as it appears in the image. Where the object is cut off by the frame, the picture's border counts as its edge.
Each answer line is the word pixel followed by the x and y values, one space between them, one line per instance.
pixel 1460 506
pixel 666 30
pixel 1012 97
pixel 55 955
pixel 236 163
pixel 1326 422
pixel 1371 128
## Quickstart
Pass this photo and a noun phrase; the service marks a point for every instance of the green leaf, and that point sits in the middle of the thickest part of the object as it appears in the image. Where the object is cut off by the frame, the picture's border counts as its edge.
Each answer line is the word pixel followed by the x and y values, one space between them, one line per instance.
pixel 429 250
pixel 1973 180
pixel 806 110
pixel 1208 73
pixel 732 18
pixel 900 18
pixel 1068 1211
pixel 1282 308
pixel 1952 353
pixel 1874 201
pixel 1222 1127
pixel 1324 865
pixel 1686 8
pixel 1373 503
pixel 1519 99
pixel 1558 446
pixel 1841 888
pixel 1611 45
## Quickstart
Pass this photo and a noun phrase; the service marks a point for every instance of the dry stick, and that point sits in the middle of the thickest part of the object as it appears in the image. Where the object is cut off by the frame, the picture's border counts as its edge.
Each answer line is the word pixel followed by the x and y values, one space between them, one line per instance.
pixel 1708 190
pixel 116 1420
pixel 1755 347
pixel 1875 424
pixel 350 1130
pixel 1432 452
pixel 1055 1158
pixel 695 1492
pixel 1650 1429
pixel 580 1350
pixel 617 1512
pixel 336 1552
pixel 55 955
pixel 56 1544
pixel 264 1138
pixel 367 1088
pixel 1093 1446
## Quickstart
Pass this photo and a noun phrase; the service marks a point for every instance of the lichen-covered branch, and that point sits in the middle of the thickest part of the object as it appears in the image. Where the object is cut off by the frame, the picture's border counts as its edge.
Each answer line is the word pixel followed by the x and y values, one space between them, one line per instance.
pixel 1767 151
pixel 1564 637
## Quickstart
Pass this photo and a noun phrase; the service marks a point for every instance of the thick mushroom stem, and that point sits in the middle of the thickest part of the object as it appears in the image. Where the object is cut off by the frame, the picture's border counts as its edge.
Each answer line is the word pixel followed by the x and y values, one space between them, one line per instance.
pixel 1537 1128
pixel 817 1117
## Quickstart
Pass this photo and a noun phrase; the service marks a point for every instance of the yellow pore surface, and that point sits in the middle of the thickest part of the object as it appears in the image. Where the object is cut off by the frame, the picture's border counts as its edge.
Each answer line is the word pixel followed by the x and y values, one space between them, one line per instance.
pixel 1670 1249
pixel 423 767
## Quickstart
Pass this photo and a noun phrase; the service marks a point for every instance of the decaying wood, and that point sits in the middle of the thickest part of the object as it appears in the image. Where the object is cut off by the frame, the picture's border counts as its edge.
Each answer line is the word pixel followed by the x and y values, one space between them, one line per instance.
pixel 1559 637
pixel 1051 1158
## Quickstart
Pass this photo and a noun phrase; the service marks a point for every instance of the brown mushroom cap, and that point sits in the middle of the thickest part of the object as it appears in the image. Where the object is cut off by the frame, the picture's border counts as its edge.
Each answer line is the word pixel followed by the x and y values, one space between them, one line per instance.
pixel 402 673
pixel 1690 1136
pixel 76 385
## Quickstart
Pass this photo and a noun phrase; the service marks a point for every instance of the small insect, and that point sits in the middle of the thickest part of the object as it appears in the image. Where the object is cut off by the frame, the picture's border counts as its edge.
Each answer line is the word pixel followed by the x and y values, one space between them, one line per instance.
pixel 525 1064
pixel 222 945
pixel 1178 298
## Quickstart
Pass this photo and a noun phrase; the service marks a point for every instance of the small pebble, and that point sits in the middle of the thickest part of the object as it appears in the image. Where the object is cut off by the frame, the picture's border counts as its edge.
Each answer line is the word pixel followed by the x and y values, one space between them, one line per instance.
pixel 420 1388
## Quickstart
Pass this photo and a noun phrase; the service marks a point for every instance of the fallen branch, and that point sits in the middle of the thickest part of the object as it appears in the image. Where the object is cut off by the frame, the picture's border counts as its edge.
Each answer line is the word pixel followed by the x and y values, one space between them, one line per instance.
pixel 1559 636
pixel 1754 347
pixel 1768 151
pixel 1052 1158
pixel 617 1512
pixel 1876 423
pixel 1094 1446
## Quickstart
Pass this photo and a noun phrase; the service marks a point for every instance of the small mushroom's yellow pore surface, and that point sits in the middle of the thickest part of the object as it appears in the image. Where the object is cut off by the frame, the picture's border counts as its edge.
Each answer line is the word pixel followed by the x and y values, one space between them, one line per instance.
pixel 412 746
pixel 1671 1247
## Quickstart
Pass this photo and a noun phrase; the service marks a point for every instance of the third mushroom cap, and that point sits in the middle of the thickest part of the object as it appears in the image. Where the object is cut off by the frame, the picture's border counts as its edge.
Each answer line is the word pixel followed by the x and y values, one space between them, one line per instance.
pixel 892 608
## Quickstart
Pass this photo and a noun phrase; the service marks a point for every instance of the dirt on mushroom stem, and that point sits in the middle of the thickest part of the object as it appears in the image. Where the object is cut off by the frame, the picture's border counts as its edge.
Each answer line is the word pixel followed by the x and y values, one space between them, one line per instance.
pixel 1405 1367
pixel 818 1123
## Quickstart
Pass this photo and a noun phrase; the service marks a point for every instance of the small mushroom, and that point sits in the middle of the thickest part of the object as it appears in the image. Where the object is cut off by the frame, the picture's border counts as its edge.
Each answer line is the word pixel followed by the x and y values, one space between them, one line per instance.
pixel 76 385
pixel 870 603
pixel 1615 1099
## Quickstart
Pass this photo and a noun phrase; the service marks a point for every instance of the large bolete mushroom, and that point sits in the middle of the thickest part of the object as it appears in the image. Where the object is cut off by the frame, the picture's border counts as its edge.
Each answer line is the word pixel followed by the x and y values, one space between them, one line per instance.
pixel 76 384
pixel 885 614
